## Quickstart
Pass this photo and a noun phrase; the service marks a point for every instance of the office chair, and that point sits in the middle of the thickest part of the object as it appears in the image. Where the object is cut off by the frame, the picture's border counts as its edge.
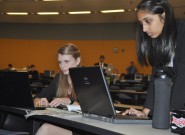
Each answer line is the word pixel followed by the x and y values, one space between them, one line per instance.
pixel 9 126
pixel 6 132
pixel 37 89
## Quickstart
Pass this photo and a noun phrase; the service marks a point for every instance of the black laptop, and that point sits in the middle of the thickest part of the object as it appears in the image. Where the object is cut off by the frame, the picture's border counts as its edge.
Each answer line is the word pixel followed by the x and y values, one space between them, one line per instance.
pixel 94 97
pixel 15 90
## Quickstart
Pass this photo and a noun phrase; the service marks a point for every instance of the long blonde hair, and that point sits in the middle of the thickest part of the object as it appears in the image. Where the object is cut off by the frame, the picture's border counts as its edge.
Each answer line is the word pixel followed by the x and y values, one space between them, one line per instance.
pixel 63 84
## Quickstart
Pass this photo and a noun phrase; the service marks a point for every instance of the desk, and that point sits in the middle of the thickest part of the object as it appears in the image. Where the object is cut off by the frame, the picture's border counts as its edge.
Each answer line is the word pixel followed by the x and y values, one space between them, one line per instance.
pixel 136 94
pixel 129 92
pixel 77 122
pixel 134 83
pixel 127 106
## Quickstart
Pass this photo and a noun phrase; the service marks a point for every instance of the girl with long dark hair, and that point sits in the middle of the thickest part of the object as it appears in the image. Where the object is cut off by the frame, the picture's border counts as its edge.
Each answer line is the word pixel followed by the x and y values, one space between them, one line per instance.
pixel 161 44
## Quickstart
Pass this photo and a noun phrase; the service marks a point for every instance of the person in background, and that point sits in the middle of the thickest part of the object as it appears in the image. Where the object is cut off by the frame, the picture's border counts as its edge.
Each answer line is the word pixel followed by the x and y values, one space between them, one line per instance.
pixel 10 68
pixel 102 63
pixel 33 73
pixel 161 44
pixel 60 91
pixel 131 71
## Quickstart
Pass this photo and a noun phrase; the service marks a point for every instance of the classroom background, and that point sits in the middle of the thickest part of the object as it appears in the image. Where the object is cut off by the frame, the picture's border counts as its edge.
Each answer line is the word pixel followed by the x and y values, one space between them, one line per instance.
pixel 25 44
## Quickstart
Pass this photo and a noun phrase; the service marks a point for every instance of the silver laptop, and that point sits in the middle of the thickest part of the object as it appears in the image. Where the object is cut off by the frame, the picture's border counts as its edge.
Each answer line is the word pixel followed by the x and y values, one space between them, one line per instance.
pixel 94 97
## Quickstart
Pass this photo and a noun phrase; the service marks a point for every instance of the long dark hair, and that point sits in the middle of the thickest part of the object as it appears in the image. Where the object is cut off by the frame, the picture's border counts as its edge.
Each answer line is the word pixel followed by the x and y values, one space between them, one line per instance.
pixel 156 52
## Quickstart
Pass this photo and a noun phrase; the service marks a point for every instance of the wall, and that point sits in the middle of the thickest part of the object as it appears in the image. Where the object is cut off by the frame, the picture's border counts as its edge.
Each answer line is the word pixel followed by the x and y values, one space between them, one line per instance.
pixel 25 44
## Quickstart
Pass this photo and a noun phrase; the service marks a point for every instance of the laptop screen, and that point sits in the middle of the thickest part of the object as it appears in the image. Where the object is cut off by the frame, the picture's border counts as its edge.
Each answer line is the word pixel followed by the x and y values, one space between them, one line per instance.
pixel 15 90
pixel 92 91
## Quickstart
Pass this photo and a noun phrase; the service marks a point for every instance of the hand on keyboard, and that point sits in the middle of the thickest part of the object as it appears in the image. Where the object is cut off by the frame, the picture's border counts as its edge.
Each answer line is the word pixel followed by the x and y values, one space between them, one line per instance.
pixel 135 112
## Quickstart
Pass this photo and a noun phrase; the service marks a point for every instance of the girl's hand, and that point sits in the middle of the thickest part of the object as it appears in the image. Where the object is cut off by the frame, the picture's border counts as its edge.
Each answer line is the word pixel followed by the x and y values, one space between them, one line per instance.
pixel 60 101
pixel 133 111
pixel 41 102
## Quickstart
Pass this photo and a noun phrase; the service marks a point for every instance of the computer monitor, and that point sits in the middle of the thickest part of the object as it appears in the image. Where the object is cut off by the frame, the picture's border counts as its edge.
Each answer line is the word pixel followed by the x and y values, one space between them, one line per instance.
pixel 48 73
pixel 138 77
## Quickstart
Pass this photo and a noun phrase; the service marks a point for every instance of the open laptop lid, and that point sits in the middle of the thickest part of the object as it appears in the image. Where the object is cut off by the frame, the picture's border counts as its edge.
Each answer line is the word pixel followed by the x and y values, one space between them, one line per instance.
pixel 15 90
pixel 92 91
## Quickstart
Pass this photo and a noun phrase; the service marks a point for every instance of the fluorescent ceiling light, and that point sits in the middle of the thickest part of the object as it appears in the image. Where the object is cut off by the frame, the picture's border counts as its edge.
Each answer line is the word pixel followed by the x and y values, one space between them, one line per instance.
pixel 80 12
pixel 15 0
pixel 52 0
pixel 17 13
pixel 48 13
pixel 113 11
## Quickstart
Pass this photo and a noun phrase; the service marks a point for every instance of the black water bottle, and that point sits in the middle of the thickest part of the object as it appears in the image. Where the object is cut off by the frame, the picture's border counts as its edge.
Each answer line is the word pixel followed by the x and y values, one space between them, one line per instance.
pixel 161 113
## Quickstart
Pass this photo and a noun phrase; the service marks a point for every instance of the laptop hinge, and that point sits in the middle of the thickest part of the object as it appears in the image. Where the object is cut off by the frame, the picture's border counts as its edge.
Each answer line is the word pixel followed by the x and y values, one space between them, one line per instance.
pixel 98 117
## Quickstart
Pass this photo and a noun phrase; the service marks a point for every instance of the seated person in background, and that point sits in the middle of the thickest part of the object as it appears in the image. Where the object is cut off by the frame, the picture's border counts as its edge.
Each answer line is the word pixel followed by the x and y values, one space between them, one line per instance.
pixel 60 91
pixel 131 71
pixel 10 68
pixel 101 63
pixel 33 73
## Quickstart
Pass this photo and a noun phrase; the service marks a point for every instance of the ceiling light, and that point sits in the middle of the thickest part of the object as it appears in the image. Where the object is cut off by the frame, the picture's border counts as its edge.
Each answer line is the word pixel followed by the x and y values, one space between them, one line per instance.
pixel 80 12
pixel 17 13
pixel 16 0
pixel 48 13
pixel 113 11
pixel 52 0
